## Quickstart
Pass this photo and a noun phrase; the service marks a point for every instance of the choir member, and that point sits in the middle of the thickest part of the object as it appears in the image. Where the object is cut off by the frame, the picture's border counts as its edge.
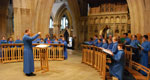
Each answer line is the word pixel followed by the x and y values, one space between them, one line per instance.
pixel 10 41
pixel 144 52
pixel 3 41
pixel 91 42
pixel 127 40
pixel 101 37
pixel 100 43
pixel 47 36
pixel 117 66
pixel 135 48
pixel 105 45
pixel 65 48
pixel 18 40
pixel 48 41
pixel 28 53
pixel 110 44
pixel 115 45
pixel 60 38
pixel 42 41
pixel 95 40
pixel 56 41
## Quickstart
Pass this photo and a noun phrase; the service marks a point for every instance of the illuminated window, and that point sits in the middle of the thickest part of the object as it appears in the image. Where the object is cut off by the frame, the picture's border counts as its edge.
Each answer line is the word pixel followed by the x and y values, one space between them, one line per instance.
pixel 64 22
pixel 51 23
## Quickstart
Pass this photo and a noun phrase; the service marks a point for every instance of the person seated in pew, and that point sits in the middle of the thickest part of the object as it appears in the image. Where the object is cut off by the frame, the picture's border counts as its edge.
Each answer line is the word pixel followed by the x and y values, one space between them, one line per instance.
pixel 100 43
pixel 116 68
pixel 110 44
pixel 127 40
pixel 95 42
pixel 10 41
pixel 91 42
pixel 60 38
pixel 56 41
pixel 144 53
pixel 65 48
pixel 47 36
pixel 105 45
pixel 135 48
pixel 42 41
pixel 18 40
pixel 48 41
pixel 3 41
pixel 101 37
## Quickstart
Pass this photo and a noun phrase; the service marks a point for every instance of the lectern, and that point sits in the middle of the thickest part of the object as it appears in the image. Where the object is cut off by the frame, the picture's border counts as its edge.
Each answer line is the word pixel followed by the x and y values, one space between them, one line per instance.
pixel 43 58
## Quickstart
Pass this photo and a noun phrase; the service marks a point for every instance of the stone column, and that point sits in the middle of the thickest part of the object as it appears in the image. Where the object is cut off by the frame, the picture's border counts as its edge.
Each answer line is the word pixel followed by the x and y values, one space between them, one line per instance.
pixel 56 30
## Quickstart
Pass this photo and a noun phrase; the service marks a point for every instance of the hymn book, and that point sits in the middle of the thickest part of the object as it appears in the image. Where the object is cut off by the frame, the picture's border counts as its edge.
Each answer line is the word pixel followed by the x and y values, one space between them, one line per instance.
pixel 107 51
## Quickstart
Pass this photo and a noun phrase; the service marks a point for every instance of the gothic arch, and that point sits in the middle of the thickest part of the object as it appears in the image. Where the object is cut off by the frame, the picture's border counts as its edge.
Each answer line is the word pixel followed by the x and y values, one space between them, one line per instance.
pixel 63 10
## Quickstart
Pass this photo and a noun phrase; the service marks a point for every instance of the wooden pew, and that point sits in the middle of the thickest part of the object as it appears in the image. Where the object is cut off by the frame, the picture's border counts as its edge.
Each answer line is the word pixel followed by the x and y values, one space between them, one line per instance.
pixel 128 55
pixel 88 54
pixel 95 57
pixel 133 67
pixel 137 75
pixel 15 53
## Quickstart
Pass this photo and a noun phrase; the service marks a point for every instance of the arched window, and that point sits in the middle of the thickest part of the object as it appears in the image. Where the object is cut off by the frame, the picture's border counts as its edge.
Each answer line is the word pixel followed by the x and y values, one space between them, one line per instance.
pixel 51 23
pixel 64 22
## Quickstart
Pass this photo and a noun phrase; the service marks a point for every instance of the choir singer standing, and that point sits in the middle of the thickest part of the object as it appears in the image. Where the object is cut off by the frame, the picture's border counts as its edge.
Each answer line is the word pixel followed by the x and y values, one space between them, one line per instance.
pixel 28 53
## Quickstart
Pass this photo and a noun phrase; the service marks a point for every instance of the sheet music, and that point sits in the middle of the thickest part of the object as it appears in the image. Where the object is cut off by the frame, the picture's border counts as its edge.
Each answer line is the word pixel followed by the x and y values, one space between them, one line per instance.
pixel 42 46
pixel 107 51
pixel 140 46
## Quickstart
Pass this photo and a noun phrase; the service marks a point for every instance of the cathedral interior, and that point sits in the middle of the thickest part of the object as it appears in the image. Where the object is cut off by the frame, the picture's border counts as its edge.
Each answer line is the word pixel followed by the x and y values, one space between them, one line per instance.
pixel 82 19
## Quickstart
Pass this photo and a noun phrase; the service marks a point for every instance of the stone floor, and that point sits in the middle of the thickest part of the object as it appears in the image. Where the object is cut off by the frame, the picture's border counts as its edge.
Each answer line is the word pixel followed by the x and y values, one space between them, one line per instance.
pixel 71 69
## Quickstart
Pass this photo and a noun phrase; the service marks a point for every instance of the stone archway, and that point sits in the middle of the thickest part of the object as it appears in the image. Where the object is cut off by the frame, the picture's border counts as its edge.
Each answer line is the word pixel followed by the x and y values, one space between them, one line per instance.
pixel 63 10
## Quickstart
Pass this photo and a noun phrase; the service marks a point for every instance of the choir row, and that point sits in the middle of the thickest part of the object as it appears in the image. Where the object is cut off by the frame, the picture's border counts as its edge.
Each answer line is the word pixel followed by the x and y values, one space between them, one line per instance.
pixel 140 51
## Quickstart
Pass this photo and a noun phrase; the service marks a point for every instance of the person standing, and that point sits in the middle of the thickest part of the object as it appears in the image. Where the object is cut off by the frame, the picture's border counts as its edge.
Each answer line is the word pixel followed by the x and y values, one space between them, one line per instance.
pixel 28 64
pixel 144 53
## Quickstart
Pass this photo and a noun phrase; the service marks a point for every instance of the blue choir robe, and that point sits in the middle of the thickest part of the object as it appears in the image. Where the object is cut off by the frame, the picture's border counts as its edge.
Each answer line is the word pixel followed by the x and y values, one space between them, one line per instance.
pixel 3 42
pixel 105 45
pixel 41 42
pixel 144 55
pixel 18 41
pixel 90 42
pixel 99 44
pixel 110 46
pixel 11 42
pixel 28 54
pixel 38 40
pixel 115 47
pixel 135 50
pixel 128 41
pixel 117 66
pixel 65 49
pixel 45 40
pixel 60 40
pixel 134 43
pixel 95 42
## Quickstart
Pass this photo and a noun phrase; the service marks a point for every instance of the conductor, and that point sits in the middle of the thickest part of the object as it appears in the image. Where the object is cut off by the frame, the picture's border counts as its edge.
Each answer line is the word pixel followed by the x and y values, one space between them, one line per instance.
pixel 28 65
